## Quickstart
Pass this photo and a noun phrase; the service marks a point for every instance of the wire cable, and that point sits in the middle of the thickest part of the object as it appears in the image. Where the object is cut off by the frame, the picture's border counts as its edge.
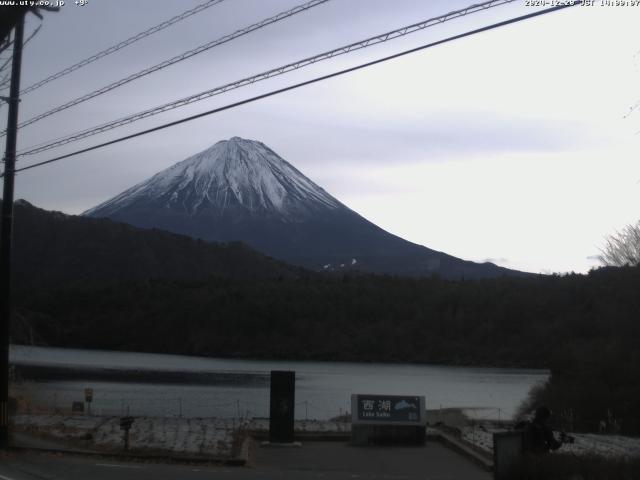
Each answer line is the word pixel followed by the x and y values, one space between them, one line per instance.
pixel 4 83
pixel 263 76
pixel 4 65
pixel 6 45
pixel 176 59
pixel 121 45
pixel 28 39
pixel 302 84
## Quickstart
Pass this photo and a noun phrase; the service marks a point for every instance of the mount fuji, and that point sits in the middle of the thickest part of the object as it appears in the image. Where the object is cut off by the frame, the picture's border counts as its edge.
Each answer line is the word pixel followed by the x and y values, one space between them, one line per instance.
pixel 242 190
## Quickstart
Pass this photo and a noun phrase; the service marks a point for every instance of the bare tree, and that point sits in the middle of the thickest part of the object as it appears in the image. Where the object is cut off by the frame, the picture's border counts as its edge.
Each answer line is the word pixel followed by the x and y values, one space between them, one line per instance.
pixel 622 248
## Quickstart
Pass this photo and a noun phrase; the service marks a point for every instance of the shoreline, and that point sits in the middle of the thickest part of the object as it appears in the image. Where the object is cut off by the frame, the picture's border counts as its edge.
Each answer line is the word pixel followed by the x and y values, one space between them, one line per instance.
pixel 29 372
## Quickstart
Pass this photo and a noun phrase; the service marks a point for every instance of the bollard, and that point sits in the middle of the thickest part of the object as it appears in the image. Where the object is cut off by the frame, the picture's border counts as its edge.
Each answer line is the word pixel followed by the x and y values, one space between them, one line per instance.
pixel 125 424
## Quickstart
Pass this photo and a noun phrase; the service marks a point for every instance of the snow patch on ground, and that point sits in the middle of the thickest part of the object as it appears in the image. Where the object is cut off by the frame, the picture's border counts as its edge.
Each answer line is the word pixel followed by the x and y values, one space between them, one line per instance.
pixel 171 436
pixel 585 443
pixel 482 439
pixel 607 445
pixel 304 426
pixel 210 437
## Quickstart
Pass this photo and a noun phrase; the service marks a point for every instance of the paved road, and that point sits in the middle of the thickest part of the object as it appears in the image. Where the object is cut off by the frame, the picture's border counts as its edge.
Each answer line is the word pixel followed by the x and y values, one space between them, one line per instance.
pixel 340 460
pixel 314 460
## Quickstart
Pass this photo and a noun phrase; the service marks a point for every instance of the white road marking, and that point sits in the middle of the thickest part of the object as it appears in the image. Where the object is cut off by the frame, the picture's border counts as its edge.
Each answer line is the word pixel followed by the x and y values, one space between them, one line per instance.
pixel 2 477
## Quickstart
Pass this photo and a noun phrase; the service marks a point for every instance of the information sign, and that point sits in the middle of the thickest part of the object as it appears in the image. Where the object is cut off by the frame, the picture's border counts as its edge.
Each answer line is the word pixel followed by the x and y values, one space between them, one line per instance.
pixel 398 409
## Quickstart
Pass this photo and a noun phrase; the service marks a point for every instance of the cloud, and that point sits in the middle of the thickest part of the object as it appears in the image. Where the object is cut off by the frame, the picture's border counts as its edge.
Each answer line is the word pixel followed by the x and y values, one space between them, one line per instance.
pixel 411 138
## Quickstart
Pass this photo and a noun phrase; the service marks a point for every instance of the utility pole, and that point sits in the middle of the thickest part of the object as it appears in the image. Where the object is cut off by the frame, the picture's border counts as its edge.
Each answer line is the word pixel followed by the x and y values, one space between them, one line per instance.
pixel 6 230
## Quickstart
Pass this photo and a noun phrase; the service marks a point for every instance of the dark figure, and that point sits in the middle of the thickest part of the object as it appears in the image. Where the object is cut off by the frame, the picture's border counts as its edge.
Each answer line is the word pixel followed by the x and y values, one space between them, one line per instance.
pixel 538 435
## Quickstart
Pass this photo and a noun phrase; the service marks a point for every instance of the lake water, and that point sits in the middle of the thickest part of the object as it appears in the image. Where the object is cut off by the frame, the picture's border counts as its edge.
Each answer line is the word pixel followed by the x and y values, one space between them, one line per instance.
pixel 323 389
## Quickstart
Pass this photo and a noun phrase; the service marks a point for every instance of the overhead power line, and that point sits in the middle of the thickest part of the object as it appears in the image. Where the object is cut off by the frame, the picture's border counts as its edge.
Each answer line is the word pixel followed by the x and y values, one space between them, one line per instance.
pixel 302 84
pixel 176 59
pixel 3 66
pixel 384 37
pixel 121 45
pixel 10 59
pixel 33 34
pixel 26 41
pixel 6 45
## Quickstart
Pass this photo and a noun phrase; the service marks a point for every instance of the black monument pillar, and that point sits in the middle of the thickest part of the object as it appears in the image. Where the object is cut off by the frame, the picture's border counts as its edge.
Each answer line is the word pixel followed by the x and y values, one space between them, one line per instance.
pixel 282 406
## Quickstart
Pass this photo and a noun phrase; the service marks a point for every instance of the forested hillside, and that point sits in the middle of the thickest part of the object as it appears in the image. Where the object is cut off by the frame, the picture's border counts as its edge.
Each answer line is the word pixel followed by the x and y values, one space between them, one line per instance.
pixel 54 249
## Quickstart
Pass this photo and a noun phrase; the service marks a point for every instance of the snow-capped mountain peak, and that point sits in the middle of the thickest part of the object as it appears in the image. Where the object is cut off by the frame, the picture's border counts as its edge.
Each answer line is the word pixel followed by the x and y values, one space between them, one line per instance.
pixel 235 173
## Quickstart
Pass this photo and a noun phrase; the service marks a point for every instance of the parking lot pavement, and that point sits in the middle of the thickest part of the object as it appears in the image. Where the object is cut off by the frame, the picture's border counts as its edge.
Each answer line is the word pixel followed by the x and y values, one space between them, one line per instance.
pixel 432 461
pixel 316 460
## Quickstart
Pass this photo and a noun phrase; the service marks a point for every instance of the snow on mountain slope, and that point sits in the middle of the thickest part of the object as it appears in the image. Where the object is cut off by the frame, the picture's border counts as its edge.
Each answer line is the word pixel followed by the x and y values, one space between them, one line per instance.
pixel 236 172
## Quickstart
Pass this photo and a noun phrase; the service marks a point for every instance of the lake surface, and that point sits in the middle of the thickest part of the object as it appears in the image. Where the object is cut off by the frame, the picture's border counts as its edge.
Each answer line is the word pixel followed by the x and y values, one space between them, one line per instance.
pixel 241 387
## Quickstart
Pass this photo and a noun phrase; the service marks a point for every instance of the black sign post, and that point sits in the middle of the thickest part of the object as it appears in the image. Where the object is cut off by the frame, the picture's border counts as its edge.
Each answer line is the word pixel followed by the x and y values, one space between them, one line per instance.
pixel 281 409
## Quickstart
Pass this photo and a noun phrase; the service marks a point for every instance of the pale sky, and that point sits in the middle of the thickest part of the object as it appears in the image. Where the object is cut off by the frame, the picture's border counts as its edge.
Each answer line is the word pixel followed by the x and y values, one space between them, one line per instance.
pixel 513 145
